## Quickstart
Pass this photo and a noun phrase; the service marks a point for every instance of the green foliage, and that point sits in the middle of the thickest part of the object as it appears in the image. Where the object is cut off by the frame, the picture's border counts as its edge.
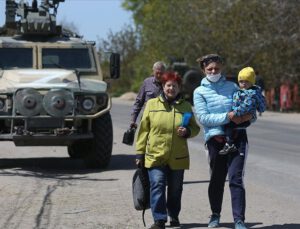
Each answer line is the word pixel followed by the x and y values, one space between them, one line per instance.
pixel 124 42
pixel 262 34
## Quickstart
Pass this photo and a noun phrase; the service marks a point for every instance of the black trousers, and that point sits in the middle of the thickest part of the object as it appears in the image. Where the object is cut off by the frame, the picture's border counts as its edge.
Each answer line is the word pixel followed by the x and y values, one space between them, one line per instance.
pixel 233 165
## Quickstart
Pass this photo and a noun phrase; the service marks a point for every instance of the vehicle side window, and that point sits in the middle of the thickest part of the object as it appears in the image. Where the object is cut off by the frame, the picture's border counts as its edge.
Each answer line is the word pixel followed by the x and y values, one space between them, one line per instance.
pixel 16 58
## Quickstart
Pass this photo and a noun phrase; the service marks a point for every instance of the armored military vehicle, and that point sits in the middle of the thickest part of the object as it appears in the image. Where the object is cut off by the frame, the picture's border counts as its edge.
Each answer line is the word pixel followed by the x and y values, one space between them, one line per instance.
pixel 52 90
pixel 191 77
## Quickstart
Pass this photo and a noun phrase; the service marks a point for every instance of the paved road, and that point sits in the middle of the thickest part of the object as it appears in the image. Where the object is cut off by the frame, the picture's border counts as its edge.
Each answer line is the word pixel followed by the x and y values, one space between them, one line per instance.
pixel 272 172
pixel 41 188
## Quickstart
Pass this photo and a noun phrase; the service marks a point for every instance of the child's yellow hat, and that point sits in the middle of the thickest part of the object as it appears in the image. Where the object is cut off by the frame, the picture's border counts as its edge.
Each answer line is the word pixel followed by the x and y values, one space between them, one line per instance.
pixel 247 74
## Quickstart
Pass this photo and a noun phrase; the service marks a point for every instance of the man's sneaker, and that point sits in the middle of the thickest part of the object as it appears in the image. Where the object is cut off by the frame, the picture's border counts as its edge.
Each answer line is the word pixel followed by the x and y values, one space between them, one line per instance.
pixel 214 221
pixel 174 222
pixel 228 149
pixel 240 225
pixel 160 224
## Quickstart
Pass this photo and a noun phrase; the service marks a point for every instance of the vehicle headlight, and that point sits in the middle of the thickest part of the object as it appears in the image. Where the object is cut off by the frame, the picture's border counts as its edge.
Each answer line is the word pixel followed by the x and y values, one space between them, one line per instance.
pixel 88 104
pixel 102 100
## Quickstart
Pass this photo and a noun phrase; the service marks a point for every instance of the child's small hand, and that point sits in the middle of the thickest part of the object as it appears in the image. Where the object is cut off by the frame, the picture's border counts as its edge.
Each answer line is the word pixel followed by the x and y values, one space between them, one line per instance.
pixel 181 131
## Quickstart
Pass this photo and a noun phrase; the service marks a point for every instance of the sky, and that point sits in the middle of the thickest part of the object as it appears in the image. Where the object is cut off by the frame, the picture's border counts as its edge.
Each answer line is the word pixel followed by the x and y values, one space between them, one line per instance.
pixel 93 18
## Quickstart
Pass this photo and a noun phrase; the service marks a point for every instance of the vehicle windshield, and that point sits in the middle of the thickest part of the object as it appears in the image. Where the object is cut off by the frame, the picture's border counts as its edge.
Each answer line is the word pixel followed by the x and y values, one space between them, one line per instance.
pixel 70 58
pixel 16 58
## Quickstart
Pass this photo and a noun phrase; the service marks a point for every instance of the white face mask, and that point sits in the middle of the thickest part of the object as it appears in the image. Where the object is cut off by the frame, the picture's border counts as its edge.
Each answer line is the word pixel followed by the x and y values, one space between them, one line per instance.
pixel 213 77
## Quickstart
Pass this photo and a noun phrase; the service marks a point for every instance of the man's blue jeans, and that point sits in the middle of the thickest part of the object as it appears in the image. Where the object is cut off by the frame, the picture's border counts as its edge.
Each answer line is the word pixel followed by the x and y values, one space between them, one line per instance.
pixel 160 177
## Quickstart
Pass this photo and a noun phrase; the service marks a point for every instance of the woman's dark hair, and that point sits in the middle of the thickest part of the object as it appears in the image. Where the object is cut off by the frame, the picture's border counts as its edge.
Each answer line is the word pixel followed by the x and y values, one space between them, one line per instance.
pixel 207 59
pixel 171 75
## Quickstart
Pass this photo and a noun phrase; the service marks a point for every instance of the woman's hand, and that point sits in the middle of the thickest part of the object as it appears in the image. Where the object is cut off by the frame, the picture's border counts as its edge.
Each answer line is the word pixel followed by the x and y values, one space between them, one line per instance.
pixel 240 119
pixel 233 118
pixel 139 163
pixel 230 115
pixel 181 131
pixel 246 117
pixel 236 119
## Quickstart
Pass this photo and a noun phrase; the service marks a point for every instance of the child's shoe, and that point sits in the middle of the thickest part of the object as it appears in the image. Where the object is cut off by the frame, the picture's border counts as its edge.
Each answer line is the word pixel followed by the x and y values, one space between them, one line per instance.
pixel 228 149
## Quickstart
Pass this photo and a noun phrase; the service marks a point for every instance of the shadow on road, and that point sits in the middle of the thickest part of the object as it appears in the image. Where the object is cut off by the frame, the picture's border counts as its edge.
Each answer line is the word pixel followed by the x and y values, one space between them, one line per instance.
pixel 201 225
pixel 249 225
pixel 122 162
pixel 50 168
pixel 192 225
pixel 196 182
pixel 46 163
pixel 283 226
pixel 64 165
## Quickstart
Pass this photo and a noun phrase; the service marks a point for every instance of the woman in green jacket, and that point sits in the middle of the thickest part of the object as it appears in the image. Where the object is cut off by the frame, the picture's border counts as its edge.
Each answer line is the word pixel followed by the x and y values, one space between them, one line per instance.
pixel 162 148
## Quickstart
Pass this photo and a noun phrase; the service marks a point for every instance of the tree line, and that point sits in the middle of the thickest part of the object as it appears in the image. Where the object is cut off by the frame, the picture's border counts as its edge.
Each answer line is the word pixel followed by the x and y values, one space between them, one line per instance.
pixel 261 34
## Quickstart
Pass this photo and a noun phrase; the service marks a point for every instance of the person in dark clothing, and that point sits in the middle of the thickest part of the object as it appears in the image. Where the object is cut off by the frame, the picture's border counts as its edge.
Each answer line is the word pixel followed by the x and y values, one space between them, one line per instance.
pixel 151 88
pixel 259 81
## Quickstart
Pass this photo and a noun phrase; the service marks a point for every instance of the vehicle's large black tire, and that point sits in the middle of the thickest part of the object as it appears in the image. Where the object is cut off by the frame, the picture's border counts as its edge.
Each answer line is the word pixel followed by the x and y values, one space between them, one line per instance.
pixel 191 80
pixel 99 149
pixel 76 150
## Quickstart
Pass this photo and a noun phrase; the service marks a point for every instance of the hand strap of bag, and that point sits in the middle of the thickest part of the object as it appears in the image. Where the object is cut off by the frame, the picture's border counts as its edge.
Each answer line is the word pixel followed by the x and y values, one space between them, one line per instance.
pixel 143 216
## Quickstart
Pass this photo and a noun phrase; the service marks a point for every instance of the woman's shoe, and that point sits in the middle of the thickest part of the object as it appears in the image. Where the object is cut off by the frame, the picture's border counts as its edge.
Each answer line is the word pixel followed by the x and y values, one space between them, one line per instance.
pixel 174 222
pixel 240 225
pixel 214 221
pixel 160 224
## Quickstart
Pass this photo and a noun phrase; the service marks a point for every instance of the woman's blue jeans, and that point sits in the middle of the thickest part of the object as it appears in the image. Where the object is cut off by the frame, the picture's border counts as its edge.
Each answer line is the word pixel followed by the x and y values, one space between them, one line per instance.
pixel 162 206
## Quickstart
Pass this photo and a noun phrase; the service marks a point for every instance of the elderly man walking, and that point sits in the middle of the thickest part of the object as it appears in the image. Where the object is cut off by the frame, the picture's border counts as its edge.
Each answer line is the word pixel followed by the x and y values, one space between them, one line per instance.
pixel 151 88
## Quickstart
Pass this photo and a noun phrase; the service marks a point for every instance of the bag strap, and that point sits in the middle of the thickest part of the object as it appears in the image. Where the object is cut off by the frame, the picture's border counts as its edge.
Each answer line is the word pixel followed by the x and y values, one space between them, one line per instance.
pixel 143 213
pixel 143 216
